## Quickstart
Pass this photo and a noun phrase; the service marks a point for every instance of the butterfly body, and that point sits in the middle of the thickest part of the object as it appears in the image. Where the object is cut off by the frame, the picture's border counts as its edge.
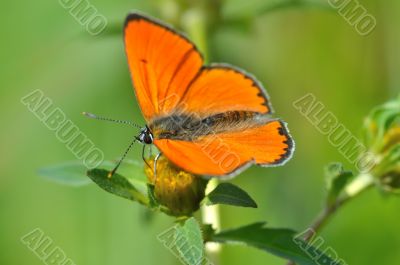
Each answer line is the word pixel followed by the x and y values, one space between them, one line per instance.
pixel 207 120
pixel 191 127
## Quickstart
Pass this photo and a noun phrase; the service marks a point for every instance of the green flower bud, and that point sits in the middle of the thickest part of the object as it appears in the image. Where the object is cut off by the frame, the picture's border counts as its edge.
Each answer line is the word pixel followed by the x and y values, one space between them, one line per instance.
pixel 179 191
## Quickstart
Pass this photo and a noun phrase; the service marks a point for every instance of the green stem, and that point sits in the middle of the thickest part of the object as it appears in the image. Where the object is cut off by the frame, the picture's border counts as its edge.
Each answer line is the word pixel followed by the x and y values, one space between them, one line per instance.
pixel 211 215
pixel 194 22
pixel 360 184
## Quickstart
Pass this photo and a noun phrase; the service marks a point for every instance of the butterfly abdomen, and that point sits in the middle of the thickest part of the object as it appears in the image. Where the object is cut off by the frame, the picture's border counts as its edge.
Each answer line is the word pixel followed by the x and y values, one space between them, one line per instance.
pixel 189 127
pixel 228 118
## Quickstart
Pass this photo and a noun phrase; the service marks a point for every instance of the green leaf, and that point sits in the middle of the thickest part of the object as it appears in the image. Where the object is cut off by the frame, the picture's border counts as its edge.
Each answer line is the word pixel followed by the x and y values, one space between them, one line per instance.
pixel 227 193
pixel 134 187
pixel 189 242
pixel 132 170
pixel 68 173
pixel 337 179
pixel 117 185
pixel 279 242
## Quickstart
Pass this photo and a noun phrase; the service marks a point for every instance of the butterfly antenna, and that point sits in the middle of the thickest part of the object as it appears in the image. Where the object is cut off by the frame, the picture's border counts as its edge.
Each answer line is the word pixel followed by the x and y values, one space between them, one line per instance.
pixel 93 116
pixel 111 173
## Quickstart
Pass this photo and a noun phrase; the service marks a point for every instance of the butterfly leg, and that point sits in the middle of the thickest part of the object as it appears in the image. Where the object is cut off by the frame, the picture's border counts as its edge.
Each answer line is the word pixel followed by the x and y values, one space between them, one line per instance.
pixel 143 156
pixel 155 166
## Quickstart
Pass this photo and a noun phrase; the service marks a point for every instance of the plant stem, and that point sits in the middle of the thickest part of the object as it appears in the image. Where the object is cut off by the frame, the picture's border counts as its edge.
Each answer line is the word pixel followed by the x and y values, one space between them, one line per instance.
pixel 360 184
pixel 194 21
pixel 210 215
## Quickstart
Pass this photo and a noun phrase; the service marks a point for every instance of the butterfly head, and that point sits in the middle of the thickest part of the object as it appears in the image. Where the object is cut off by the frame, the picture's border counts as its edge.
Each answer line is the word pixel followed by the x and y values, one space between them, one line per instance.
pixel 145 136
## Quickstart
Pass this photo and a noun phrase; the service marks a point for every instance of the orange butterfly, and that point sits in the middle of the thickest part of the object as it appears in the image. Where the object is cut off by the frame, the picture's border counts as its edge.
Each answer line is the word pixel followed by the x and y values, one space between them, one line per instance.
pixel 208 120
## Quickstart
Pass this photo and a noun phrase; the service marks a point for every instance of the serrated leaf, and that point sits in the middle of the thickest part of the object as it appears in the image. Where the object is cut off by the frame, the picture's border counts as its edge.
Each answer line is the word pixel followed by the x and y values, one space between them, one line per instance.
pixel 279 242
pixel 117 185
pixel 337 179
pixel 227 193
pixel 69 173
pixel 189 242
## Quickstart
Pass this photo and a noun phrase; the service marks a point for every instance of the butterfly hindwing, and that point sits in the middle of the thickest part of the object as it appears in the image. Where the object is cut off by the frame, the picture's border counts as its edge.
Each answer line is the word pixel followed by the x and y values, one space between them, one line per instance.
pixel 225 153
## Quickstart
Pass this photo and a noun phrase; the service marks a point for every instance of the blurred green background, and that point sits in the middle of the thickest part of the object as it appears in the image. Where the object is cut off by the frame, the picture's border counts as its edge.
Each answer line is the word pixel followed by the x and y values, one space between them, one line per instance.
pixel 292 50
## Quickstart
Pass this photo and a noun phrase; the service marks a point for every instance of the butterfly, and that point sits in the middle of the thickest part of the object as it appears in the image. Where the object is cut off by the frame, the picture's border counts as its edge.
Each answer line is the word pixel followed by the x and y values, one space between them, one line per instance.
pixel 207 120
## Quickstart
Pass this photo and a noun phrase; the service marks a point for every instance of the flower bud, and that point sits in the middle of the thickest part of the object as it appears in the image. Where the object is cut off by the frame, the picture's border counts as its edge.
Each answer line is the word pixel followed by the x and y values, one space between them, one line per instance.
pixel 179 191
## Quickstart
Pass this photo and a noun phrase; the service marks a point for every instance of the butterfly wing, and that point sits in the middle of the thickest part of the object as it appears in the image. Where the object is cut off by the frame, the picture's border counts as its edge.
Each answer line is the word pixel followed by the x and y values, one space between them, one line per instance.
pixel 226 153
pixel 162 64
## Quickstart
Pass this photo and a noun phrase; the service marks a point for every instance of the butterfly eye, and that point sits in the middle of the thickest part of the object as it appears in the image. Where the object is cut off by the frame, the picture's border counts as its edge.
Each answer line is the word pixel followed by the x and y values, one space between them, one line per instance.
pixel 145 136
pixel 148 138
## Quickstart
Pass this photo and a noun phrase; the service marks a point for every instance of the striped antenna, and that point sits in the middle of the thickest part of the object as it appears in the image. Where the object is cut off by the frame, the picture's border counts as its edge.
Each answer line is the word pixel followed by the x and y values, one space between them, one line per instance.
pixel 93 116
pixel 111 173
